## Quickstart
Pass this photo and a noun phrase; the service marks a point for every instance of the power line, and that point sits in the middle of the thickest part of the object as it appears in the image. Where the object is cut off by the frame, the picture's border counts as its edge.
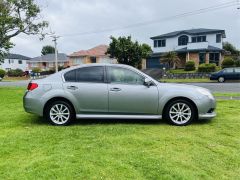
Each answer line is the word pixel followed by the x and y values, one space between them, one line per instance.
pixel 195 12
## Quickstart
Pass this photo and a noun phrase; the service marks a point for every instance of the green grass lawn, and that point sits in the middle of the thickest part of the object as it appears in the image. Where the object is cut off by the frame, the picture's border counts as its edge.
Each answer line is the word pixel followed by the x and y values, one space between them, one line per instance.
pixel 30 148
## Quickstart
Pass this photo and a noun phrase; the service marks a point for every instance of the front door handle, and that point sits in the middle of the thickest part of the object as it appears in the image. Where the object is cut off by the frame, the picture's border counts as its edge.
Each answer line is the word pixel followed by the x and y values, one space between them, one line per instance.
pixel 72 87
pixel 115 89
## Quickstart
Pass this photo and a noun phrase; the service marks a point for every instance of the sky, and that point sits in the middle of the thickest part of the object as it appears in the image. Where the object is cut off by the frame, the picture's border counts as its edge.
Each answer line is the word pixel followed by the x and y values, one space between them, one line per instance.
pixel 70 18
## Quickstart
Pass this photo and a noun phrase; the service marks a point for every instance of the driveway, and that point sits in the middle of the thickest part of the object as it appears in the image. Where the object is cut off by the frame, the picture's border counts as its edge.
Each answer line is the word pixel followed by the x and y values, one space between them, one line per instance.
pixel 214 87
pixel 14 83
pixel 232 87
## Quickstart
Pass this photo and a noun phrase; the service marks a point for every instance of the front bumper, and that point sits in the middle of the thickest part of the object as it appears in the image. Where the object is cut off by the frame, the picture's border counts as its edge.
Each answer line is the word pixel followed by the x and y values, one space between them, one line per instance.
pixel 207 115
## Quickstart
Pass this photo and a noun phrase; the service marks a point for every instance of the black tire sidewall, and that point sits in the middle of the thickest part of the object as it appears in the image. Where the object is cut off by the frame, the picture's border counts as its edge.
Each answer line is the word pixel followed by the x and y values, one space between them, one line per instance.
pixel 193 111
pixel 72 113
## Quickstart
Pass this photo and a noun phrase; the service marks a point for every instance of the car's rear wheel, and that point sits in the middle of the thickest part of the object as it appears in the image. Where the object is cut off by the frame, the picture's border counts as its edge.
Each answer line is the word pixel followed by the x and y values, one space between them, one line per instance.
pixel 180 112
pixel 221 79
pixel 59 113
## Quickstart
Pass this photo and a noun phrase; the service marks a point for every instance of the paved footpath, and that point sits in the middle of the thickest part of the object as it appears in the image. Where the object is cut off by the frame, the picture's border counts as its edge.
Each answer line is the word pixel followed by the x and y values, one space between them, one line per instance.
pixel 232 87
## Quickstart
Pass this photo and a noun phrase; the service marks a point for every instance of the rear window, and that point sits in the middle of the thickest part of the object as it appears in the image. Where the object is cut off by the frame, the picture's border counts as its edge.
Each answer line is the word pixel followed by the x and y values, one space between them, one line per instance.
pixel 70 76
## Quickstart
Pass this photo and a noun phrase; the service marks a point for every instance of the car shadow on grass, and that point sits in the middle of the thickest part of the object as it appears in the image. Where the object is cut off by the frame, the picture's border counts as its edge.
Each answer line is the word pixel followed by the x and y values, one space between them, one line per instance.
pixel 41 121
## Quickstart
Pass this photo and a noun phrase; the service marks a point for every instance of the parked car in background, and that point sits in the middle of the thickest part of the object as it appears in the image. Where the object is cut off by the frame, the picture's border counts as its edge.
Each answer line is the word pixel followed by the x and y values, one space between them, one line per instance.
pixel 226 74
pixel 115 91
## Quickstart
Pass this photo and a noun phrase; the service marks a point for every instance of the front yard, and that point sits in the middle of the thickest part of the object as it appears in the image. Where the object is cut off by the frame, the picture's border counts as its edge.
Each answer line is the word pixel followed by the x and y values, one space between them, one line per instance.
pixel 30 148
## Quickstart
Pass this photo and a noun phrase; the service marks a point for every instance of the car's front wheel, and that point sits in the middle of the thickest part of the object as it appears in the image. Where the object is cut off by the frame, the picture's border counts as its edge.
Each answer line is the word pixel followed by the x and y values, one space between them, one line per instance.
pixel 59 113
pixel 221 79
pixel 180 112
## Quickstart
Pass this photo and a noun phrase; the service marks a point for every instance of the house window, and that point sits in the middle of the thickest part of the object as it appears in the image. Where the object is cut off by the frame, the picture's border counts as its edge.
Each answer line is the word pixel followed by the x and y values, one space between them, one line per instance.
pixel 183 40
pixel 160 43
pixel 20 62
pixel 93 59
pixel 218 38
pixel 202 58
pixel 214 58
pixel 10 61
pixel 197 39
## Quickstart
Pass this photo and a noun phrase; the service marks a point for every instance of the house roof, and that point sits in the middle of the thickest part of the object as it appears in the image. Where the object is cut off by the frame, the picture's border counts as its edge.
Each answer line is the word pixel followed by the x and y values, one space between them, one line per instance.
pixel 96 52
pixel 17 56
pixel 209 48
pixel 199 31
pixel 50 58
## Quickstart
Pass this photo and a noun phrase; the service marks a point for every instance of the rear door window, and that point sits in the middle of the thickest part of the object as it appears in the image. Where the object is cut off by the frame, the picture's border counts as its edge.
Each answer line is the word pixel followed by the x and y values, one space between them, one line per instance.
pixel 90 74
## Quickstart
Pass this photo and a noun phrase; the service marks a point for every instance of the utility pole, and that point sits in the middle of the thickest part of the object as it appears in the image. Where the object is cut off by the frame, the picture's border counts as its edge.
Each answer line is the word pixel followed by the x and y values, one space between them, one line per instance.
pixel 56 52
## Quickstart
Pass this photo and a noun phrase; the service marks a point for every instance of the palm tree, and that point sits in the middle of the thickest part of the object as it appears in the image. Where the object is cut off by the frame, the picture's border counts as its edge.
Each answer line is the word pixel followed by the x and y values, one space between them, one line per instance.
pixel 171 58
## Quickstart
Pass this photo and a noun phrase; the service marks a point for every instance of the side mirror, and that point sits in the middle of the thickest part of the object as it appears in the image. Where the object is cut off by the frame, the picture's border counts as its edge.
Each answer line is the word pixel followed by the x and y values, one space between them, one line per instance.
pixel 147 82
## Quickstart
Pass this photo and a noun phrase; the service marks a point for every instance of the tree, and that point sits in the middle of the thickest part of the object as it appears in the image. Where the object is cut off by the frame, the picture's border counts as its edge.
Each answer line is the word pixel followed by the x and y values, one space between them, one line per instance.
pixel 128 52
pixel 230 48
pixel 171 58
pixel 18 16
pixel 48 50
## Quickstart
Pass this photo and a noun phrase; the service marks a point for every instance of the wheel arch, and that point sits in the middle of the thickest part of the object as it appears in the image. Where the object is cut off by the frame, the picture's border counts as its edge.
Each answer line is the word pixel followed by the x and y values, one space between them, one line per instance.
pixel 179 98
pixel 58 98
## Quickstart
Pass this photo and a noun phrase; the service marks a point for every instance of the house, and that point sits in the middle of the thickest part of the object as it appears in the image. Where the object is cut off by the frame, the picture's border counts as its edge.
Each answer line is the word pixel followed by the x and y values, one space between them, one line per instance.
pixel 200 45
pixel 94 55
pixel 15 61
pixel 47 62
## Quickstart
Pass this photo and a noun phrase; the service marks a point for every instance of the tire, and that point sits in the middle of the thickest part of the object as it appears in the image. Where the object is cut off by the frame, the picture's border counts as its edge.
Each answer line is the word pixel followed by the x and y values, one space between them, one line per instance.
pixel 180 112
pixel 221 79
pixel 60 113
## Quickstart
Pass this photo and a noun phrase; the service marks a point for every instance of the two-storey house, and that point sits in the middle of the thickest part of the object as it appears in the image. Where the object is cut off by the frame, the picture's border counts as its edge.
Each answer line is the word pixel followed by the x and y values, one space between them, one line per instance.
pixel 15 61
pixel 199 45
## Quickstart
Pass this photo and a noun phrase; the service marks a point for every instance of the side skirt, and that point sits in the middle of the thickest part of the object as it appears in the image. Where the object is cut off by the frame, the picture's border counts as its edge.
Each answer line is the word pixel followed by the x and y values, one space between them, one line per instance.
pixel 96 116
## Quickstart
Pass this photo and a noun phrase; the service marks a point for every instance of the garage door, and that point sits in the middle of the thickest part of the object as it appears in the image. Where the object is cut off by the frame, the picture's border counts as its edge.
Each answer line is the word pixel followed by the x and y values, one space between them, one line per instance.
pixel 154 63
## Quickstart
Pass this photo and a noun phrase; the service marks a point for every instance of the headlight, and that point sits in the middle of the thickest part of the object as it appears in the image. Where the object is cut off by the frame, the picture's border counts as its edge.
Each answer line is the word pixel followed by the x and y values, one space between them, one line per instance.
pixel 206 93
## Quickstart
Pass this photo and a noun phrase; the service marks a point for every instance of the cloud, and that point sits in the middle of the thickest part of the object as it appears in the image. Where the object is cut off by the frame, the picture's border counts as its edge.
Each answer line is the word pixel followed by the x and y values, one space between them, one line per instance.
pixel 74 16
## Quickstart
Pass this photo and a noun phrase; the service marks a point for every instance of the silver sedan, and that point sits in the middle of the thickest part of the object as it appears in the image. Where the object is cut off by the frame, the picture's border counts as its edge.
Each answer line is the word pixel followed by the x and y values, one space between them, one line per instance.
pixel 115 91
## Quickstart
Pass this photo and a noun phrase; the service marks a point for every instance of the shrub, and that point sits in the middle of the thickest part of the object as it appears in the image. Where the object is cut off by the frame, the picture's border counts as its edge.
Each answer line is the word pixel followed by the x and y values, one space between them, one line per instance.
pixel 227 62
pixel 190 66
pixel 2 73
pixel 207 67
pixel 237 63
pixel 36 70
pixel 15 72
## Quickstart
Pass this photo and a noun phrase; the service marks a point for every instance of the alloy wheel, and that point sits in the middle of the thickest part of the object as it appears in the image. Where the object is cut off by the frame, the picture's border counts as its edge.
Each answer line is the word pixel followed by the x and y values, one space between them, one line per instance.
pixel 59 114
pixel 180 113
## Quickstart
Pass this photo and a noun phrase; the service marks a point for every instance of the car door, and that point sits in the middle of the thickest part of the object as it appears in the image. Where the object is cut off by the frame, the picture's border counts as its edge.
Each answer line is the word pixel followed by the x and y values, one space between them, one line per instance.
pixel 88 87
pixel 128 94
pixel 229 74
pixel 237 73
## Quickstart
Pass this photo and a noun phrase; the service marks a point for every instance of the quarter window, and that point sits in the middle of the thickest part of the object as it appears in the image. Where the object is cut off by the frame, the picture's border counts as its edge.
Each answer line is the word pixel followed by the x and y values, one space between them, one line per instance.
pixel 90 74
pixel 70 76
pixel 124 76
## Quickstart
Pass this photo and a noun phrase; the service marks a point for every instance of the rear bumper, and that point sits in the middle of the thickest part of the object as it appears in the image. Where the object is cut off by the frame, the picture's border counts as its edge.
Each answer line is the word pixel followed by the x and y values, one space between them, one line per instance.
pixel 32 105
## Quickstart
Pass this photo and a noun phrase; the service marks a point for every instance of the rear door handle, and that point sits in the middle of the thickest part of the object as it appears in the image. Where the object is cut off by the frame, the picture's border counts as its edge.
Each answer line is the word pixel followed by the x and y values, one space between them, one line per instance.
pixel 115 89
pixel 72 87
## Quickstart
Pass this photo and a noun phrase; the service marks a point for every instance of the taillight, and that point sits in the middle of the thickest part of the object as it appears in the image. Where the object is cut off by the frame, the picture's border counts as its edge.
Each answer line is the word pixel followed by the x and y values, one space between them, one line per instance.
pixel 32 86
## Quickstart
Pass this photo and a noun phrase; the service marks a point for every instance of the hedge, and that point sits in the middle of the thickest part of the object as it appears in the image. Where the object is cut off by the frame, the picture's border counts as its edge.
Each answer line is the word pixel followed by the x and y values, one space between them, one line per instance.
pixel 15 72
pixel 190 66
pixel 228 62
pixel 2 73
pixel 207 68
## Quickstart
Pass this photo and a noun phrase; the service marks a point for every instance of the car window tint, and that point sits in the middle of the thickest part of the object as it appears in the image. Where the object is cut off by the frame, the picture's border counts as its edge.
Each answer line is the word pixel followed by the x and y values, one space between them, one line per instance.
pixel 70 76
pixel 229 70
pixel 90 74
pixel 237 70
pixel 124 76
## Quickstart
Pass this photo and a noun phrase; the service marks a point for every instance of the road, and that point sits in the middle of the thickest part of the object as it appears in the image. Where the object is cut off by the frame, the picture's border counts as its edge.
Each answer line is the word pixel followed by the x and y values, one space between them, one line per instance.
pixel 214 87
